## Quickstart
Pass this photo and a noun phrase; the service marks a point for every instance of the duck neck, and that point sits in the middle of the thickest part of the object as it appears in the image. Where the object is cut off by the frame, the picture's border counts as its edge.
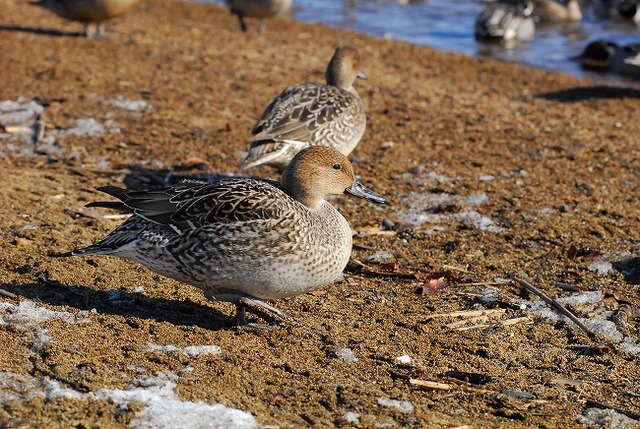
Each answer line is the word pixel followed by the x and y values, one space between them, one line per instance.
pixel 293 186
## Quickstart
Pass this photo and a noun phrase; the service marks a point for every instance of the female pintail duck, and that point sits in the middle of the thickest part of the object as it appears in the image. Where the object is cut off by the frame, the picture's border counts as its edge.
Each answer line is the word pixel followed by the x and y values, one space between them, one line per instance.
pixel 556 10
pixel 311 114
pixel 88 11
pixel 242 240
pixel 262 9
pixel 506 21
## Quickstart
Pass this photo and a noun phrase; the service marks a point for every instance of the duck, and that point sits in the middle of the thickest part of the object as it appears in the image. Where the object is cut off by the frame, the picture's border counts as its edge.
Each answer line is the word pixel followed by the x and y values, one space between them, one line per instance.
pixel 605 55
pixel 262 9
pixel 626 61
pixel 242 240
pixel 618 10
pixel 505 21
pixel 556 11
pixel 598 55
pixel 88 11
pixel 310 113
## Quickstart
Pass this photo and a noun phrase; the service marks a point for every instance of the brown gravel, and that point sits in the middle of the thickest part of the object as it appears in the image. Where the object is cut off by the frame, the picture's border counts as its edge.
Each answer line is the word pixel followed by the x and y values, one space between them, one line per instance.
pixel 564 160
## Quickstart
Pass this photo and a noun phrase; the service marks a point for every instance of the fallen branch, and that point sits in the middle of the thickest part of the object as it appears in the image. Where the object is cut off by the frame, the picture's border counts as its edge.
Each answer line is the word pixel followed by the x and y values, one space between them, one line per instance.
pixel 559 307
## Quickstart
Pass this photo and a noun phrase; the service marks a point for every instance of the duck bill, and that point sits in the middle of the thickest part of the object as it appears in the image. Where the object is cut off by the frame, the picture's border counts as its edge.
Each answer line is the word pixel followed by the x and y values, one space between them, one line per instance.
pixel 359 190
pixel 361 75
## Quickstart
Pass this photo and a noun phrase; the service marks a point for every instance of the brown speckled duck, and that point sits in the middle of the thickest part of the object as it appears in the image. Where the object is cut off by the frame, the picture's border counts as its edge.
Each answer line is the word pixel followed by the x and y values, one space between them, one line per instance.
pixel 88 11
pixel 310 114
pixel 242 240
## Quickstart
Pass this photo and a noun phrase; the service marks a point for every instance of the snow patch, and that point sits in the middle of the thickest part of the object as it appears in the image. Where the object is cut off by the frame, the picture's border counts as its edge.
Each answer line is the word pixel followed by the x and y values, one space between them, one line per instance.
pixel 28 314
pixel 598 324
pixel 404 406
pixel 130 105
pixel 347 355
pixel 82 128
pixel 435 208
pixel 602 268
pixel 162 407
pixel 192 351
pixel 598 418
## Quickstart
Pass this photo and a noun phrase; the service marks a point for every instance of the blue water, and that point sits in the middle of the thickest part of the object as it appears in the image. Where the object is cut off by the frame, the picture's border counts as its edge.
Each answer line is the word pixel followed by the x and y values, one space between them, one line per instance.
pixel 448 25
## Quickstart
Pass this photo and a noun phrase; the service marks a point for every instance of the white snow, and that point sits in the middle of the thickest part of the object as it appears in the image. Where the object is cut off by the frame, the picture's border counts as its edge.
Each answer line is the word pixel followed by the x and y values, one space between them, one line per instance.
pixel 162 407
pixel 404 359
pixel 404 406
pixel 130 105
pixel 27 313
pixel 605 418
pixel 601 267
pixel 347 355
pixel 84 127
pixel 192 351
pixel 423 208
pixel 598 323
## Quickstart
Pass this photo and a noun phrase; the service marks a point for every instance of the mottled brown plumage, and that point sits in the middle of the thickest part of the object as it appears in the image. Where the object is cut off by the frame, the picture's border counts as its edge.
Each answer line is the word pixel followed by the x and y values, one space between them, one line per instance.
pixel 242 240
pixel 310 114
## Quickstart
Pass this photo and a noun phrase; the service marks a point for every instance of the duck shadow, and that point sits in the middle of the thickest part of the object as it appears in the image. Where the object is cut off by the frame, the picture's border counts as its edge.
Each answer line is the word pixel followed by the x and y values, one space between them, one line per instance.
pixel 573 95
pixel 629 268
pixel 122 303
pixel 39 31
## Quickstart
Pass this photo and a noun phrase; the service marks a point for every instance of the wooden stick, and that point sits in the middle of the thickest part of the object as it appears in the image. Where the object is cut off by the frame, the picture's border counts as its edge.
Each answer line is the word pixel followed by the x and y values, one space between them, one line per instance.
pixel 7 294
pixel 468 313
pixel 494 283
pixel 429 384
pixel 559 307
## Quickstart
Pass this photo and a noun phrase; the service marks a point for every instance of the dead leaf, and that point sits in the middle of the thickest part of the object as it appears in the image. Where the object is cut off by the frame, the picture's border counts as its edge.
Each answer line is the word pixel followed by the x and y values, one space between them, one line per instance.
pixel 431 286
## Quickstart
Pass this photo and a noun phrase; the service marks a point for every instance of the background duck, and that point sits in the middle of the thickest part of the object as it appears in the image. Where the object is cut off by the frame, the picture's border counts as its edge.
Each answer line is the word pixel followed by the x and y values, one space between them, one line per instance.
pixel 604 55
pixel 555 10
pixel 311 114
pixel 88 11
pixel 502 20
pixel 619 10
pixel 242 240
pixel 262 9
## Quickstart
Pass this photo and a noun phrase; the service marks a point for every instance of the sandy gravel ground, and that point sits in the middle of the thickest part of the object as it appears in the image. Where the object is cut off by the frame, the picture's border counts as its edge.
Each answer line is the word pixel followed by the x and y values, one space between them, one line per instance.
pixel 494 173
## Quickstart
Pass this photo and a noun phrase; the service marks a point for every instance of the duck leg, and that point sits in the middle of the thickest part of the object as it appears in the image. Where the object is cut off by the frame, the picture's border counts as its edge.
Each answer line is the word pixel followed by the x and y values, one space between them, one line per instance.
pixel 262 26
pixel 263 309
pixel 243 25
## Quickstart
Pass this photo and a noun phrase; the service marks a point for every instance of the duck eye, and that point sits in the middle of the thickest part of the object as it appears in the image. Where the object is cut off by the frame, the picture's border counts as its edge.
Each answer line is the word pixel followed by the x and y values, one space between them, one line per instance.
pixel 337 167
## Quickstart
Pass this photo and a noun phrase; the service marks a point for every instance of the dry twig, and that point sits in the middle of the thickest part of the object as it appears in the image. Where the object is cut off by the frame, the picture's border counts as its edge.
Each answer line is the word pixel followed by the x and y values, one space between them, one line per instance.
pixel 559 307
pixel 7 294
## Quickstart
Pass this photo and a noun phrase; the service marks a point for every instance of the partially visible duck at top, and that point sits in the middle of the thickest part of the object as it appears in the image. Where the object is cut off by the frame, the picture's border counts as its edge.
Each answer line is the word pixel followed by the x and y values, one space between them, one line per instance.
pixel 310 114
pixel 506 21
pixel 262 9
pixel 619 10
pixel 88 11
pixel 557 10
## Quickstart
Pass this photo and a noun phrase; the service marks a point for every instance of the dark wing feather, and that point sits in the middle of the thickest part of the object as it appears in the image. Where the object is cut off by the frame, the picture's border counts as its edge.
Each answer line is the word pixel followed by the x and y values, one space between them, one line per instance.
pixel 301 109
pixel 189 205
